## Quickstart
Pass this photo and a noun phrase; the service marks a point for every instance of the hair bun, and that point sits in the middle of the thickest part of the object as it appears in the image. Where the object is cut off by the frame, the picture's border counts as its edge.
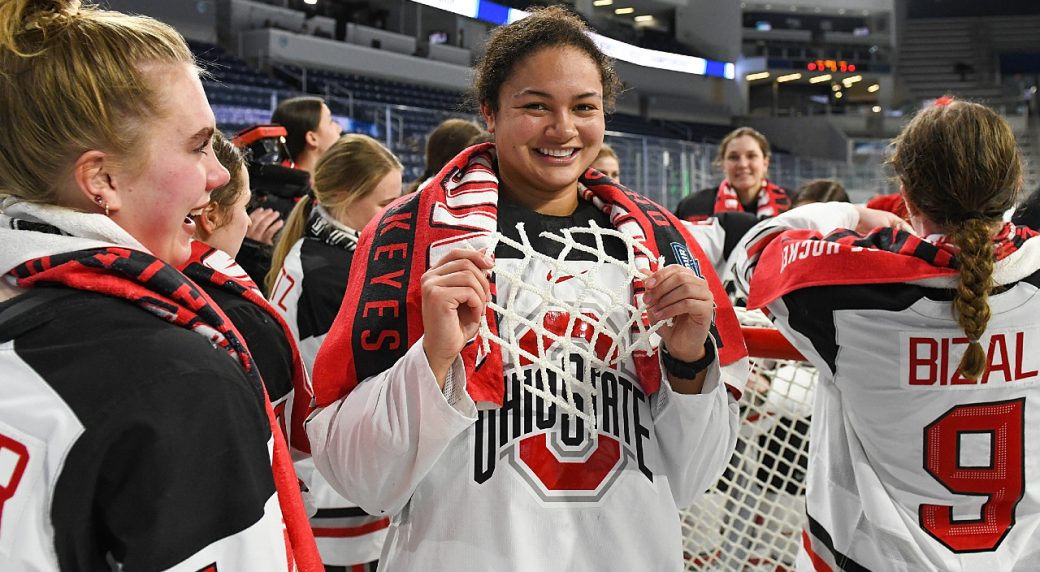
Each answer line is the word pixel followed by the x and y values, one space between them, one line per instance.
pixel 24 24
pixel 48 20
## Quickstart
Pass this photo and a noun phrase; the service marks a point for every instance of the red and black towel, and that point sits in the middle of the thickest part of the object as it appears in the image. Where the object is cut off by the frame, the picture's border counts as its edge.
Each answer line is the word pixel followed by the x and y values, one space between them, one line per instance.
pixel 381 315
pixel 208 265
pixel 143 279
pixel 797 259
pixel 772 200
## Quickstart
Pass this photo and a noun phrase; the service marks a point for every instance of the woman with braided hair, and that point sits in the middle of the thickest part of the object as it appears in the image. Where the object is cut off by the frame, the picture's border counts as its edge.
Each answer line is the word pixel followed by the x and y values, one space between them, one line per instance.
pixel 135 433
pixel 928 347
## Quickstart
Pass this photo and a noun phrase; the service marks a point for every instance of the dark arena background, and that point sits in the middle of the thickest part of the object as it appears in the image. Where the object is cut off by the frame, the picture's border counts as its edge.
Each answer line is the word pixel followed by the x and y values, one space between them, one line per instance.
pixel 829 82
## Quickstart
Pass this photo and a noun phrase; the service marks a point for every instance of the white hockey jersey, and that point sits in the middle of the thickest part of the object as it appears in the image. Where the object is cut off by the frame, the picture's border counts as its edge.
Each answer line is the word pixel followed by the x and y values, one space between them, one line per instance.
pixel 912 467
pixel 525 487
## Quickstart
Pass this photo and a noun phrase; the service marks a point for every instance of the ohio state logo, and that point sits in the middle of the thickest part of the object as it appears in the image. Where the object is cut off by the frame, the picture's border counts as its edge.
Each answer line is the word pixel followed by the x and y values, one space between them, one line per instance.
pixel 550 448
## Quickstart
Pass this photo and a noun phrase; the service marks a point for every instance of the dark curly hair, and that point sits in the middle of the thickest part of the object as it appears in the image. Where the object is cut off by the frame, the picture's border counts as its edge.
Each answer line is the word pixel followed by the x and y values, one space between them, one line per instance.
pixel 545 28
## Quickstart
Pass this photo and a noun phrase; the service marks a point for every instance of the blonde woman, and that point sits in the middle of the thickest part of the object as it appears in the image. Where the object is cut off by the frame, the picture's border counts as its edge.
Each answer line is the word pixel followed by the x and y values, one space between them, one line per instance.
pixel 219 230
pixel 607 162
pixel 355 179
pixel 134 428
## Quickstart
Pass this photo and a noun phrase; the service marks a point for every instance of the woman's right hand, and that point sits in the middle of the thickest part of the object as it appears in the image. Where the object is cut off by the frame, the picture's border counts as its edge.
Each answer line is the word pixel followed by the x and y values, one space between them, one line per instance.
pixel 455 293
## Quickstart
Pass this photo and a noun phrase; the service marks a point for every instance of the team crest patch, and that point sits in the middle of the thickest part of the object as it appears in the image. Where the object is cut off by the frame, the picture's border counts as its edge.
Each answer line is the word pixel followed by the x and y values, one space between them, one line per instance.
pixel 682 254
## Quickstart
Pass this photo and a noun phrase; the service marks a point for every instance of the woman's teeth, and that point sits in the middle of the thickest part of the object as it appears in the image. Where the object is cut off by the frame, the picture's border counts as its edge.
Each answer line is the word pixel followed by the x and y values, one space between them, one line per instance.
pixel 558 152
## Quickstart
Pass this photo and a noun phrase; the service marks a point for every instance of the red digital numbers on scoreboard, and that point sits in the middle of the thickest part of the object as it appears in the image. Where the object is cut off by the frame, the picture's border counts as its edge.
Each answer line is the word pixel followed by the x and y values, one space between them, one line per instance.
pixel 831 66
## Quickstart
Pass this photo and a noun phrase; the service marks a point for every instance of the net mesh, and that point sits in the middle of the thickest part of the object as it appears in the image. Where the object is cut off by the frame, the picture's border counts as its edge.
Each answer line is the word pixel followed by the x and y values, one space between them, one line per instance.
pixel 606 342
pixel 753 517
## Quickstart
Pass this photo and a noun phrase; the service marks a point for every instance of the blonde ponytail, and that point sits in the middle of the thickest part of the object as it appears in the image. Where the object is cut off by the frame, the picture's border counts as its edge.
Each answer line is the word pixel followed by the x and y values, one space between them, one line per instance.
pixel 350 169
pixel 293 230
pixel 27 22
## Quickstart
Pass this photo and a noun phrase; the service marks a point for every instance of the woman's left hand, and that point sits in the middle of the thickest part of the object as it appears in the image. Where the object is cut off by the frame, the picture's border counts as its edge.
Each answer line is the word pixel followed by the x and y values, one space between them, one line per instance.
pixel 676 292
pixel 869 219
pixel 263 225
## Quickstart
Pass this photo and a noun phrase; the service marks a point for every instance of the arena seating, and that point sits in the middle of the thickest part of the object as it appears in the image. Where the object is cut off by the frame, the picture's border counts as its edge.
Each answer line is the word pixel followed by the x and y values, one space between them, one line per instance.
pixel 401 114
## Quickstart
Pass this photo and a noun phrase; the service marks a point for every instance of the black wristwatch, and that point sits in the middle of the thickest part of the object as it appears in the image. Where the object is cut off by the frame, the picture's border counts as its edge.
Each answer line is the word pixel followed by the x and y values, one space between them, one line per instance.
pixel 688 369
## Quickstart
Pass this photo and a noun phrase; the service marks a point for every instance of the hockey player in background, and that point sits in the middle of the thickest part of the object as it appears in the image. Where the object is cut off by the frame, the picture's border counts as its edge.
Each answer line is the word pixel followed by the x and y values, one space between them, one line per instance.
pixel 134 430
pixel 353 181
pixel 928 345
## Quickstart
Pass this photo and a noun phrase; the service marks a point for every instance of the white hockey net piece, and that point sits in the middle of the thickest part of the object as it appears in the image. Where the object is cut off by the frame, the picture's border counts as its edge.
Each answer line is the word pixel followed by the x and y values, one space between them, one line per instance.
pixel 752 519
pixel 608 341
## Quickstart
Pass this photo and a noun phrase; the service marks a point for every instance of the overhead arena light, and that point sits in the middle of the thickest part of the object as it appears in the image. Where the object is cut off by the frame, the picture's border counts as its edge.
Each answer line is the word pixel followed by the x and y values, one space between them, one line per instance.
pixel 876 109
pixel 602 2
pixel 837 95
pixel 644 18
pixel 820 78
pixel 759 75
pixel 788 77
pixel 874 88
pixel 623 11
pixel 851 80
pixel 311 2
pixel 496 14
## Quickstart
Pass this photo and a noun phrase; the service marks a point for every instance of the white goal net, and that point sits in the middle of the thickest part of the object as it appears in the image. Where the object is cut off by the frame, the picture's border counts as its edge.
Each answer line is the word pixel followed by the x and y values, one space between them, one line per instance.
pixel 752 519
pixel 622 331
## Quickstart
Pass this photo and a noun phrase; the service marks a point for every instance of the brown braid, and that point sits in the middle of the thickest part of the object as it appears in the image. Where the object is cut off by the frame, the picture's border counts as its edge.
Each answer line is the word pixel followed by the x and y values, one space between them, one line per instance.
pixel 959 167
pixel 971 301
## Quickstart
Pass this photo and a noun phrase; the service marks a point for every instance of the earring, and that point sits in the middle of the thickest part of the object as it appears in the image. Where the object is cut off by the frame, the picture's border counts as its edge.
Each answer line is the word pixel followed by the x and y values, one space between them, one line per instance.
pixel 101 203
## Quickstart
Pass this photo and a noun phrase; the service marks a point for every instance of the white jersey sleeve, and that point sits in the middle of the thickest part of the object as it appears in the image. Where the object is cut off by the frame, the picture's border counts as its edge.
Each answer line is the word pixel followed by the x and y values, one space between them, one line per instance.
pixel 912 466
pixel 711 237
pixel 397 423
pixel 693 465
pixel 822 217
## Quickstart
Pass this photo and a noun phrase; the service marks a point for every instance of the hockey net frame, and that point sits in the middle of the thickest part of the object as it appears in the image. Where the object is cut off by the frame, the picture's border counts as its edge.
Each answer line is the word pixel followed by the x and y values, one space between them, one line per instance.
pixel 752 518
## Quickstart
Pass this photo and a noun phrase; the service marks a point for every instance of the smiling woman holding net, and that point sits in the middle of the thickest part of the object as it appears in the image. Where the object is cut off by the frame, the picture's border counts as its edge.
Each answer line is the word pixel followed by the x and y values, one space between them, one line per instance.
pixel 528 371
